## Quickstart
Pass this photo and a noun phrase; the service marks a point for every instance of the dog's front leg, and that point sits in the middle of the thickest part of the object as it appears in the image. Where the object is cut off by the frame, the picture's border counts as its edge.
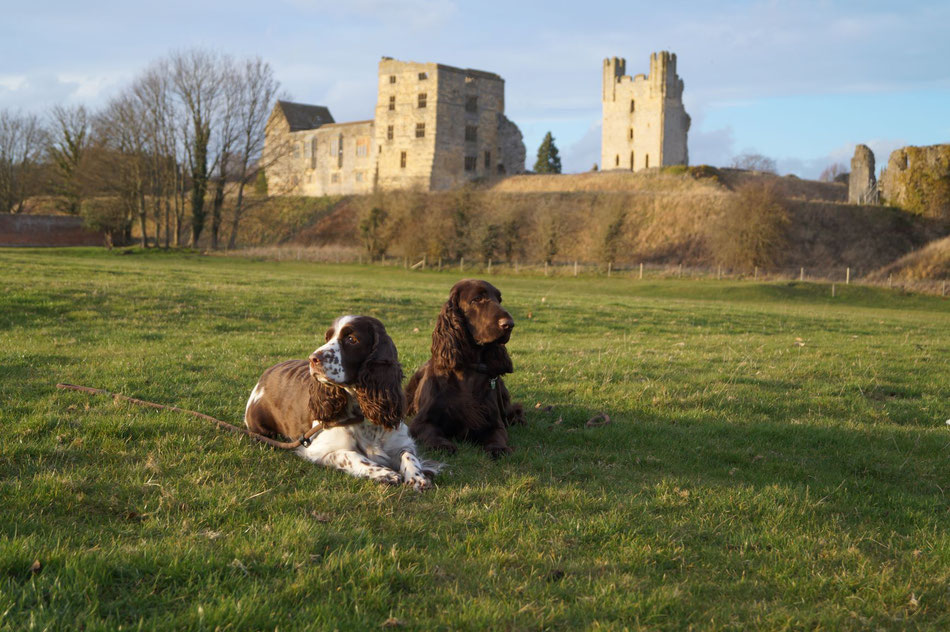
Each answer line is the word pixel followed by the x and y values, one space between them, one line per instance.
pixel 358 465
pixel 412 471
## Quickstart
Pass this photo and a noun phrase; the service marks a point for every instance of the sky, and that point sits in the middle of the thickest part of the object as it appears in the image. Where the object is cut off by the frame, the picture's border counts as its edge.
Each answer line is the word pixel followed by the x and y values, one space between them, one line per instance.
pixel 799 82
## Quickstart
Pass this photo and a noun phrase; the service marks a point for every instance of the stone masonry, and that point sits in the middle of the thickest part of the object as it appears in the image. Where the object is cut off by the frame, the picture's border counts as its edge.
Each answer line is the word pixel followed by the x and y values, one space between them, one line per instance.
pixel 918 179
pixel 644 122
pixel 862 184
pixel 435 127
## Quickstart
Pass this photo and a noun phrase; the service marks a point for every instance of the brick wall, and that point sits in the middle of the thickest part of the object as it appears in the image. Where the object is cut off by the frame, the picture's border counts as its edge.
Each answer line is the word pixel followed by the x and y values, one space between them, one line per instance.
pixel 46 230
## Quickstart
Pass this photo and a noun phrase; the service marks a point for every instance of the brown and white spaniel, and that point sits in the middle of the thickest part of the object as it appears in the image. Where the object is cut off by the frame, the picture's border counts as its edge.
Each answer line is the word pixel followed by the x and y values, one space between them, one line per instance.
pixel 459 393
pixel 352 386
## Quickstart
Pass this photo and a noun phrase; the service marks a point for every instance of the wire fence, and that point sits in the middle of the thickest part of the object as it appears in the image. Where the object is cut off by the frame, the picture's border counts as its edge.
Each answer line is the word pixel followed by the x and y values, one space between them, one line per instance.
pixel 645 271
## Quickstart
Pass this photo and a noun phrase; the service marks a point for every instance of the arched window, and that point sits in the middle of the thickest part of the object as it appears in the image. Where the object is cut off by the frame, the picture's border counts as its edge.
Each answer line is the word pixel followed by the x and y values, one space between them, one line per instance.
pixel 646 162
pixel 631 161
pixel 617 161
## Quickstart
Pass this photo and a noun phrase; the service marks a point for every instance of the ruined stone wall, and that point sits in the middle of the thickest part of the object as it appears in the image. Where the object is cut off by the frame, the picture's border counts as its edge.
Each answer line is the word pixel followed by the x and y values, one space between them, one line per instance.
pixel 918 179
pixel 644 121
pixel 435 127
pixel 862 184
pixel 404 158
pixel 511 147
pixel 467 141
pixel 334 159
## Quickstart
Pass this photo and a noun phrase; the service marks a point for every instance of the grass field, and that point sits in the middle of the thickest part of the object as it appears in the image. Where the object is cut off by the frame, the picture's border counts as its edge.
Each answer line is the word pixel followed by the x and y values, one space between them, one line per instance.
pixel 777 458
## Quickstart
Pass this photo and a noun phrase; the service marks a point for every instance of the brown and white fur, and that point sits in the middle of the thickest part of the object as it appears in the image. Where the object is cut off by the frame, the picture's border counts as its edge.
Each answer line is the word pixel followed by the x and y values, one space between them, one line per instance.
pixel 355 375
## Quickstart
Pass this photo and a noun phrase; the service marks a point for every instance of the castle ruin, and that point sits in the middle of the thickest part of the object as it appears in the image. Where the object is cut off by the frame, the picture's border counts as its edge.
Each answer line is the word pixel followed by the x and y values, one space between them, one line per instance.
pixel 435 127
pixel 644 122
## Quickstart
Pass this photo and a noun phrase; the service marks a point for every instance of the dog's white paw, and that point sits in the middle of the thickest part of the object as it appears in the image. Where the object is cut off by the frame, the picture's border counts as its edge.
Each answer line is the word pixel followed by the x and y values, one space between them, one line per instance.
pixel 388 478
pixel 419 482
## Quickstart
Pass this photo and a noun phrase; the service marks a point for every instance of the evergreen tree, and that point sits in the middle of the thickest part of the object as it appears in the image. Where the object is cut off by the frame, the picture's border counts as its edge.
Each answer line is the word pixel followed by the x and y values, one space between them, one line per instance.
pixel 548 159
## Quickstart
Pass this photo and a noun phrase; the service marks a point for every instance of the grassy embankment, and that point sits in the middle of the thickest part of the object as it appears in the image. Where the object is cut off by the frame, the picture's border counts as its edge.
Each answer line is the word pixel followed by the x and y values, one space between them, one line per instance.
pixel 777 458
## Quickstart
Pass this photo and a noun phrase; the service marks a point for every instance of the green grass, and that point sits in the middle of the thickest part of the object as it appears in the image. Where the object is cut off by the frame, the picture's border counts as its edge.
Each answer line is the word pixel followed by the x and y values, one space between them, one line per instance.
pixel 777 458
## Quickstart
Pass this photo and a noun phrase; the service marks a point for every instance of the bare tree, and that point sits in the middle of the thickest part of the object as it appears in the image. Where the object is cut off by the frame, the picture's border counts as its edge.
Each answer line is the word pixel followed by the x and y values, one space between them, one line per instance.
pixel 832 171
pixel 22 142
pixel 754 162
pixel 196 79
pixel 258 91
pixel 69 138
pixel 121 129
pixel 154 93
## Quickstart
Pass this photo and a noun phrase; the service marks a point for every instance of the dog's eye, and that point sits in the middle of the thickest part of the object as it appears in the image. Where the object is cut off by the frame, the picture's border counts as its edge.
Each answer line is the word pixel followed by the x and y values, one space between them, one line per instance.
pixel 478 299
pixel 351 340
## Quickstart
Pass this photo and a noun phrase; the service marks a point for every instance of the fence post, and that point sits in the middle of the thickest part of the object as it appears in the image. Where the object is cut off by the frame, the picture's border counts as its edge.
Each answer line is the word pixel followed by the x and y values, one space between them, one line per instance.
pixel 489 266
pixel 943 289
pixel 801 275
pixel 719 273
pixel 517 266
pixel 847 277
pixel 890 278
pixel 545 268
pixel 405 262
pixel 610 265
pixel 461 264
pixel 641 269
pixel 755 275
pixel 681 271
pixel 575 267
pixel 440 264
pixel 832 290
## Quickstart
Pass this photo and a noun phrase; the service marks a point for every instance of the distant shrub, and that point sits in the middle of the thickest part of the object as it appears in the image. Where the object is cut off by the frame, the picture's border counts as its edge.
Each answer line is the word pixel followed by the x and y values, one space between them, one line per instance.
pixel 373 232
pixel 754 162
pixel 752 230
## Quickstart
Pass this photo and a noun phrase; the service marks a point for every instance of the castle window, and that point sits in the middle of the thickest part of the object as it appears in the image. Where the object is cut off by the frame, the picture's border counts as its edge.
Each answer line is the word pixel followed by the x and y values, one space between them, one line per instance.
pixel 471 104
pixel 339 155
pixel 313 153
pixel 362 146
pixel 402 160
pixel 631 161
pixel 392 78
pixel 392 102
pixel 469 79
pixel 471 132
pixel 487 159
pixel 423 76
pixel 632 105
pixel 422 99
pixel 334 178
pixel 420 130
pixel 501 168
pixel 389 132
pixel 631 133
pixel 617 161
pixel 359 176
pixel 646 162
pixel 471 162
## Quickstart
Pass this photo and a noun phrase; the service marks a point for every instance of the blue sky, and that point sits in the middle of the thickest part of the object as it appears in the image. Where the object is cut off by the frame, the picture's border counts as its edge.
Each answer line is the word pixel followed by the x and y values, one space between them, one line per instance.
pixel 801 82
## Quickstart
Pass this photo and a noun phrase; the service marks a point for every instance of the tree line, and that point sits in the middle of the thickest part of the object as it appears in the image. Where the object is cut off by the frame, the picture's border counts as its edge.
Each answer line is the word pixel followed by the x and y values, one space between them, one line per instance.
pixel 183 137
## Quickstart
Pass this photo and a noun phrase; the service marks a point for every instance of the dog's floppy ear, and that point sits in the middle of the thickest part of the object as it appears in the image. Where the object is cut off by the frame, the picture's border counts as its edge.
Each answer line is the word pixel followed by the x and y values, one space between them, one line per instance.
pixel 327 401
pixel 379 383
pixel 450 340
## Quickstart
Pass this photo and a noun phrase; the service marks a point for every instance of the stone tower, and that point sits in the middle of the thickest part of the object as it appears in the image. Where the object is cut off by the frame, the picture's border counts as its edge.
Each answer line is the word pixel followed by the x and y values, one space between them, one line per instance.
pixel 862 185
pixel 644 122
pixel 438 126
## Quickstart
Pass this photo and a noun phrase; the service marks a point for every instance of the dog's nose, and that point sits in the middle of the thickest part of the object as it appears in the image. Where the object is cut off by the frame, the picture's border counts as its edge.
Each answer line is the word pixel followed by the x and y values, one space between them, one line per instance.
pixel 506 324
pixel 315 359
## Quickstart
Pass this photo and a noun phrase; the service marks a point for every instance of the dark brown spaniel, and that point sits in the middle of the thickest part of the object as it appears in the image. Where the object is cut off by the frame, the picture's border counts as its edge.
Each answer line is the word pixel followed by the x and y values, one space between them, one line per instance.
pixel 459 393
